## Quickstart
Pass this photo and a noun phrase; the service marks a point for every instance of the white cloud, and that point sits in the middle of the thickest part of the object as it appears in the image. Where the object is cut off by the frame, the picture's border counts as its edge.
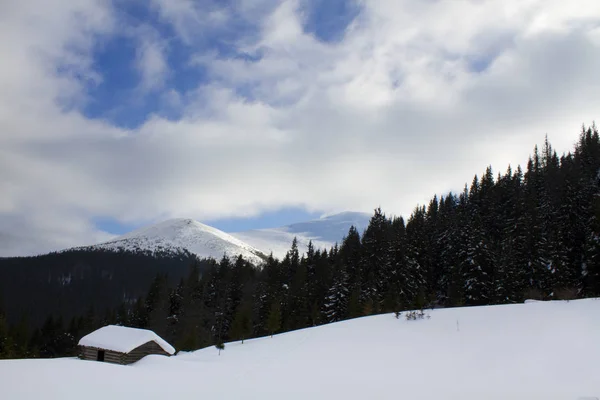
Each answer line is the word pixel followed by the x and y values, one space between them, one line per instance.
pixel 413 100
pixel 151 60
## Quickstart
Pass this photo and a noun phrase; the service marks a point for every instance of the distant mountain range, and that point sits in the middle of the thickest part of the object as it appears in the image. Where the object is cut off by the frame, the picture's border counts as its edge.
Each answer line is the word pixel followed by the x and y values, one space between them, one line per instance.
pixel 190 236
pixel 69 282
pixel 323 232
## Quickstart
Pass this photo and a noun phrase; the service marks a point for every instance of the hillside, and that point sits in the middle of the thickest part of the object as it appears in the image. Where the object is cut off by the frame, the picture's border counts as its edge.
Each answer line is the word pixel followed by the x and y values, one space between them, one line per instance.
pixel 323 232
pixel 67 284
pixel 181 235
pixel 541 350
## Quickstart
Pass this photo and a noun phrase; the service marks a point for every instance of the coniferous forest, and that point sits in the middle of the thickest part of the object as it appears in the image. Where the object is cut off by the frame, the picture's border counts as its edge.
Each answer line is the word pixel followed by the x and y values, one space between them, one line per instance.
pixel 531 233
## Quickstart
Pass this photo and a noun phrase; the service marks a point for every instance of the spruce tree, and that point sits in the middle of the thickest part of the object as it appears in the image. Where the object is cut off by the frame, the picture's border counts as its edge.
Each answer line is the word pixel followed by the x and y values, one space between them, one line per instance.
pixel 5 340
pixel 350 260
pixel 220 346
pixel 241 328
pixel 336 301
pixel 274 319
pixel 376 265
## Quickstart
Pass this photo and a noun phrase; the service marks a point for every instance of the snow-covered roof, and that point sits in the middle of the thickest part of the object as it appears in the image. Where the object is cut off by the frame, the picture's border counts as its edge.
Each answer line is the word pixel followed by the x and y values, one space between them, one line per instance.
pixel 123 339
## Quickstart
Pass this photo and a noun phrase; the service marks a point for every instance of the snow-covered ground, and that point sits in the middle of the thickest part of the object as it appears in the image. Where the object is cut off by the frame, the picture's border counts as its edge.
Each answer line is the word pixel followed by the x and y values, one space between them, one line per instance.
pixel 323 232
pixel 541 350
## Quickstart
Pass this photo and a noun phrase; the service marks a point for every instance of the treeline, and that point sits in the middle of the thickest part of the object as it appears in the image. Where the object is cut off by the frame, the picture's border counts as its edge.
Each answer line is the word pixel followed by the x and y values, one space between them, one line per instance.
pixel 505 238
pixel 48 302
pixel 67 283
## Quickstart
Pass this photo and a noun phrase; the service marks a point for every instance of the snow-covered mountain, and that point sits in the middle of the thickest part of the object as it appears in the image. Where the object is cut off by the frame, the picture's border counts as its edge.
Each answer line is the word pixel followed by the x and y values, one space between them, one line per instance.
pixel 323 232
pixel 180 235
pixel 535 351
pixel 187 235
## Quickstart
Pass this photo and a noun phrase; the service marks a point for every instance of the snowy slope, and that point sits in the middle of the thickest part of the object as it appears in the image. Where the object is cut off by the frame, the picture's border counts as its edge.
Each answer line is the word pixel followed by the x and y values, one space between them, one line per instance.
pixel 323 232
pixel 535 351
pixel 177 235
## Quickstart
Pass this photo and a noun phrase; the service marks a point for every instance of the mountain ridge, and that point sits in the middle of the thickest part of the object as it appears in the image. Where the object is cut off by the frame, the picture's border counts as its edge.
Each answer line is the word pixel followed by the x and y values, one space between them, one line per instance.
pixel 181 235
pixel 323 232
pixel 186 235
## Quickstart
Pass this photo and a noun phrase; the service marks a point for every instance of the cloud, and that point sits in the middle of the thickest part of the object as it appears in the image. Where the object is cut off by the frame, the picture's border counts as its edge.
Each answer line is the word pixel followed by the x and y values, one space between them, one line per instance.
pixel 151 61
pixel 412 99
pixel 190 18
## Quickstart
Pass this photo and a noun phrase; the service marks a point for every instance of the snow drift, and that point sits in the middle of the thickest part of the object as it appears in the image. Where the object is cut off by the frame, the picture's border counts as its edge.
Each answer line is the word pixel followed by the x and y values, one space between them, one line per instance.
pixel 544 350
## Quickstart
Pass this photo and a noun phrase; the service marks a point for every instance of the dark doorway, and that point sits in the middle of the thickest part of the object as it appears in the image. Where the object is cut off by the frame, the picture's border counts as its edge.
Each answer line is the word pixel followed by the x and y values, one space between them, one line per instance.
pixel 100 355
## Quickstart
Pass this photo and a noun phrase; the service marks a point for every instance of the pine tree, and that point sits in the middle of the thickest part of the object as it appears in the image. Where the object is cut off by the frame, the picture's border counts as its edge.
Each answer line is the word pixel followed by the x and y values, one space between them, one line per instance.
pixel 175 311
pixel 241 328
pixel 376 265
pixel 412 283
pixel 5 340
pixel 157 306
pixel 274 319
pixel 350 259
pixel 336 302
pixel 20 337
pixel 271 286
pixel 220 346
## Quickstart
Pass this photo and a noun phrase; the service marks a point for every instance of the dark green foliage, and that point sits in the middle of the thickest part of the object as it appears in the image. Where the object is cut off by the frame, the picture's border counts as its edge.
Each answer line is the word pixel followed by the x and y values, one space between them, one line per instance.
pixel 376 262
pixel 274 318
pixel 336 301
pixel 241 328
pixel 220 346
pixel 69 283
pixel 5 339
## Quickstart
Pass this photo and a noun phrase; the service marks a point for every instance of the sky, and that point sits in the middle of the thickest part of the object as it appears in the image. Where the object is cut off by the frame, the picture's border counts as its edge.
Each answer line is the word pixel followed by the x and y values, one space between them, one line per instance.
pixel 255 113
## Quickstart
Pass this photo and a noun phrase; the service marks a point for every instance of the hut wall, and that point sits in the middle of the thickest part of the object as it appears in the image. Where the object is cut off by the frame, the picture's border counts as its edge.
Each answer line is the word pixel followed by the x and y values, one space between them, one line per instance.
pixel 91 353
pixel 142 351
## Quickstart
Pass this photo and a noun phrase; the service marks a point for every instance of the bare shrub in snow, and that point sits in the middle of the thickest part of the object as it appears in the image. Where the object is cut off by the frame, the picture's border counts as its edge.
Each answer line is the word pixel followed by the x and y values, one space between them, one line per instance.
pixel 415 315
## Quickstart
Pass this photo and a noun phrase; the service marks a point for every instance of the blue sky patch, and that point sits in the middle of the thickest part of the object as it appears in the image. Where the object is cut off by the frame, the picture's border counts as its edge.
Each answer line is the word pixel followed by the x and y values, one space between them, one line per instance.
pixel 272 219
pixel 479 64
pixel 328 19
pixel 113 226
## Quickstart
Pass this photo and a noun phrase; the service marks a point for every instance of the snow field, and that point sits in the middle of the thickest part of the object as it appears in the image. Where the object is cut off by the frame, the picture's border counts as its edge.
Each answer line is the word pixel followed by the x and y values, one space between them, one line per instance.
pixel 542 350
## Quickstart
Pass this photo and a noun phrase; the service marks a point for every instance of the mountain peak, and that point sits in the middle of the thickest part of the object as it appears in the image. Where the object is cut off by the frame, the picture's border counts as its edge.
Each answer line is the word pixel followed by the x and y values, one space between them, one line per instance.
pixel 184 234
pixel 180 235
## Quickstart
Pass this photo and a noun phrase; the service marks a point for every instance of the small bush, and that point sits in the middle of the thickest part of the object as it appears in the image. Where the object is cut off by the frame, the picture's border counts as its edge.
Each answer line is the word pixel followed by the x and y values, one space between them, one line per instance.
pixel 566 294
pixel 534 294
pixel 415 315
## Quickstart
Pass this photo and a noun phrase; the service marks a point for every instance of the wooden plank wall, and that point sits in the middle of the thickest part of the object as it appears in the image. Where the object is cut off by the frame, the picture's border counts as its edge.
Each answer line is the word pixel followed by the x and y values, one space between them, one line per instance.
pixel 91 353
pixel 142 351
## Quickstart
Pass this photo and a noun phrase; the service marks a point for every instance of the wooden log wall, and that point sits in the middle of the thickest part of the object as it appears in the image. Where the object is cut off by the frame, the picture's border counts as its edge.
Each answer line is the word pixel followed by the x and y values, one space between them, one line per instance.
pixel 142 351
pixel 91 353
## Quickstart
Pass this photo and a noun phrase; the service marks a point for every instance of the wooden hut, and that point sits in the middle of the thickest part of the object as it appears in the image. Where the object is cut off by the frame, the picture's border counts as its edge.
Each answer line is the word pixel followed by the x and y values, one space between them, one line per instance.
pixel 121 345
